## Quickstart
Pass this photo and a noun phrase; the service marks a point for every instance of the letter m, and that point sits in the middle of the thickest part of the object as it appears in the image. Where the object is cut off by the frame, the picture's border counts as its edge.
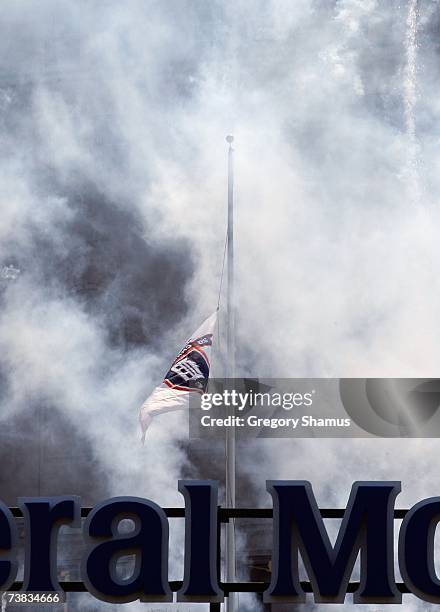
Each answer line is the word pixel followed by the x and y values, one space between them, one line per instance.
pixel 367 527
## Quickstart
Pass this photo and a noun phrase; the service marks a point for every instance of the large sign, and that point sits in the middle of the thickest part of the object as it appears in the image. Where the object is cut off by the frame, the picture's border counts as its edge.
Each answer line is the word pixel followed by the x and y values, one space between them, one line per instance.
pixel 299 531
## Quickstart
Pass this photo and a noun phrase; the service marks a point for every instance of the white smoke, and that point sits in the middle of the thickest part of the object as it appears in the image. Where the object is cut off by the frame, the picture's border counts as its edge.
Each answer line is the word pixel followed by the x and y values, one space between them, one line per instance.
pixel 335 119
pixel 410 98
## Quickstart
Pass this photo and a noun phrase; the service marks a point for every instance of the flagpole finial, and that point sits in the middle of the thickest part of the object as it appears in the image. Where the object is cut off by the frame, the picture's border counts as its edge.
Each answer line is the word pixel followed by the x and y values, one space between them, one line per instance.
pixel 229 138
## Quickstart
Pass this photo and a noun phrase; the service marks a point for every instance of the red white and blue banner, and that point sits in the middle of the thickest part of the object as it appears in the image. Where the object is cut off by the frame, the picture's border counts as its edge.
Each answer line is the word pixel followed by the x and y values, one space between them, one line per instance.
pixel 188 374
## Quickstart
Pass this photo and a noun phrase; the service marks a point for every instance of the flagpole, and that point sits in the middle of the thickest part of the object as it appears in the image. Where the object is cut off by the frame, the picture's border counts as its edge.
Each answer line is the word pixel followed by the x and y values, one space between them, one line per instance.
pixel 230 374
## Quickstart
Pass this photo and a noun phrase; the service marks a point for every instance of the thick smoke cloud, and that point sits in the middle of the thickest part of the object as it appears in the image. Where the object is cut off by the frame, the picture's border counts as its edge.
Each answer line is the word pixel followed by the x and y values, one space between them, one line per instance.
pixel 113 119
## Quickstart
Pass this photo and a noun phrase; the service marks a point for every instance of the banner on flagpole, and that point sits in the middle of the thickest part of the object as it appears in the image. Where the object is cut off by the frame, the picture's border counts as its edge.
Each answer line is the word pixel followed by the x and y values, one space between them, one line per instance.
pixel 188 374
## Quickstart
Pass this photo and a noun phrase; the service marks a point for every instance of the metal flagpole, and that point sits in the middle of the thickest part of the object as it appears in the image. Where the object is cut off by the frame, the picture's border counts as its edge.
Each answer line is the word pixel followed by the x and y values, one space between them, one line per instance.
pixel 230 373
